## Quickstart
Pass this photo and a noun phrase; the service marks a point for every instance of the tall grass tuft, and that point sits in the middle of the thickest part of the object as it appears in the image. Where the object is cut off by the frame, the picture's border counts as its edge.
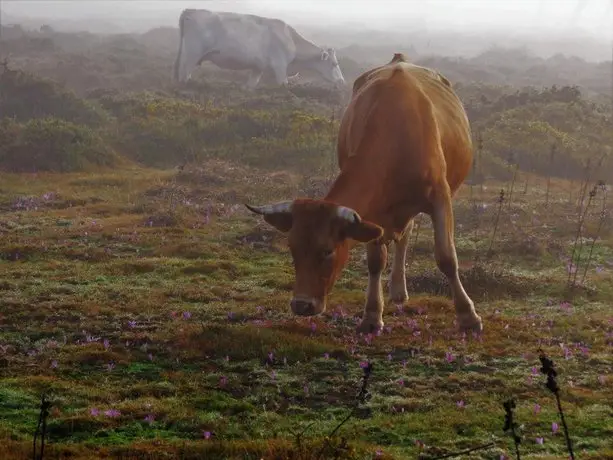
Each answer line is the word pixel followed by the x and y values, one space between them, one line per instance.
pixel 510 425
pixel 574 264
pixel 41 427
pixel 500 203
pixel 551 384
pixel 601 220
pixel 362 396
pixel 552 156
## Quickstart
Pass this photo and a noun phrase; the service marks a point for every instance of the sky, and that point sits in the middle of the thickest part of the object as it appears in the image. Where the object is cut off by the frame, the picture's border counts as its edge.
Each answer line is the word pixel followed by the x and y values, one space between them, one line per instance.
pixel 593 17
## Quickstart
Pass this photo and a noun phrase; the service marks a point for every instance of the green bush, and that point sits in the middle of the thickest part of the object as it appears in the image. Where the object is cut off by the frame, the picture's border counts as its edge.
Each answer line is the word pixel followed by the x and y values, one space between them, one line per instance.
pixel 275 128
pixel 161 131
pixel 24 97
pixel 51 144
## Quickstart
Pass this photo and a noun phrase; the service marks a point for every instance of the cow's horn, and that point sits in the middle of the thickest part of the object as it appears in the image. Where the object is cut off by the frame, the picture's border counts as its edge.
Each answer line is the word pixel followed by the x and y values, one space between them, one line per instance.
pixel 284 206
pixel 348 214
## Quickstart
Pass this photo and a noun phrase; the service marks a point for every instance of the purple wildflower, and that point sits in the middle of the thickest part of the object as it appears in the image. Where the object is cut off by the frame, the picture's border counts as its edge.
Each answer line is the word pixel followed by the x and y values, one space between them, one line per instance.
pixel 554 427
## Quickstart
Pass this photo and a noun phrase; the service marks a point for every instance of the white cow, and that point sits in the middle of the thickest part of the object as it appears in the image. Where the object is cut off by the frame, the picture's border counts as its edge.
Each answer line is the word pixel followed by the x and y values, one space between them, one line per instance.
pixel 238 41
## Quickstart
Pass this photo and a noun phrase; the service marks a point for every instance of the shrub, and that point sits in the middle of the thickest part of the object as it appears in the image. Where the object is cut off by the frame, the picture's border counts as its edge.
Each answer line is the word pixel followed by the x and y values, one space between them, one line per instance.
pixel 51 144
pixel 24 96
pixel 160 131
pixel 156 142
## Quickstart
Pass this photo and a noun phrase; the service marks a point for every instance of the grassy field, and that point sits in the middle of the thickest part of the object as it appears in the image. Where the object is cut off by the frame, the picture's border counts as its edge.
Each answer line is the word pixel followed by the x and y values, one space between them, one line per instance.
pixel 153 309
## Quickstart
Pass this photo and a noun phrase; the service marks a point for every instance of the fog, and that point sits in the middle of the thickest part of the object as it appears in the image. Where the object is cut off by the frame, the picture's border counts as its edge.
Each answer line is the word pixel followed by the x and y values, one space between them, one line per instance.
pixel 581 27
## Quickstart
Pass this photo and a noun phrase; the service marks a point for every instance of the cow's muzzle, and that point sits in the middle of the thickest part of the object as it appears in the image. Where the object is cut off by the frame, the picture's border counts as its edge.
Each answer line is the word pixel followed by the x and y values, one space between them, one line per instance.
pixel 303 306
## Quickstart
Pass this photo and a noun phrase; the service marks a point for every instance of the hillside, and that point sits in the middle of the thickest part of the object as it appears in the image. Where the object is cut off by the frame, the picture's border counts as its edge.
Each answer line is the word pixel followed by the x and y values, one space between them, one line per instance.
pixel 151 308
pixel 557 100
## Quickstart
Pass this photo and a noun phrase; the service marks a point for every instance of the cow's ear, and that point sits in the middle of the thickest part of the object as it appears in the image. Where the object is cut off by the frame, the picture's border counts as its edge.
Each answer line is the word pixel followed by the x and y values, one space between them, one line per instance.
pixel 363 231
pixel 282 221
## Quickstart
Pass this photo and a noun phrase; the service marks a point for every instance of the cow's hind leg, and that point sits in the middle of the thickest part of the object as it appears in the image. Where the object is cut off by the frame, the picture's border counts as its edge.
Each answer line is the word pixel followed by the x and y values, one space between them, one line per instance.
pixel 187 65
pixel 398 282
pixel 372 321
pixel 447 260
pixel 254 79
pixel 279 71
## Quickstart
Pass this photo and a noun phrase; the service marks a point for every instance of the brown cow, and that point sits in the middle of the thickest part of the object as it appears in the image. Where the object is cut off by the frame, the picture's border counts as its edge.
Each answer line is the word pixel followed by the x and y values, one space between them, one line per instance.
pixel 404 148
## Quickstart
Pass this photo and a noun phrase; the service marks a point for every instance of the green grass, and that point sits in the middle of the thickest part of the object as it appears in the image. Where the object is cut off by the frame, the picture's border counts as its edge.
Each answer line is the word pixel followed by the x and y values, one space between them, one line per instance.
pixel 176 320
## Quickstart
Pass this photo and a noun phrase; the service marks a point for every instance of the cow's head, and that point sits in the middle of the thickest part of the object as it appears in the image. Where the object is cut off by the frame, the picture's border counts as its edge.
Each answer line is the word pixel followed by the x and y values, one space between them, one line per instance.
pixel 318 238
pixel 327 66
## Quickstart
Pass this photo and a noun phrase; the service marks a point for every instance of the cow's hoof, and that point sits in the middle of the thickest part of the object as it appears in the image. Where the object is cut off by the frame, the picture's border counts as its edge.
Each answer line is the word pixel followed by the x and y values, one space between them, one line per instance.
pixel 398 291
pixel 470 323
pixel 399 297
pixel 368 326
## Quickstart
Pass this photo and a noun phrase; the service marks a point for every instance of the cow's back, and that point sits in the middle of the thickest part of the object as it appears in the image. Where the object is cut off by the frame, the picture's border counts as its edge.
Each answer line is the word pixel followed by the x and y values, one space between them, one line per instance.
pixel 243 37
pixel 400 110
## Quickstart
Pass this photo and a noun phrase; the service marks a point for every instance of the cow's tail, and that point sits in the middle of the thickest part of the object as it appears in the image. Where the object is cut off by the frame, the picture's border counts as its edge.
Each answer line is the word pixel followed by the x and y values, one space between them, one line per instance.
pixel 180 52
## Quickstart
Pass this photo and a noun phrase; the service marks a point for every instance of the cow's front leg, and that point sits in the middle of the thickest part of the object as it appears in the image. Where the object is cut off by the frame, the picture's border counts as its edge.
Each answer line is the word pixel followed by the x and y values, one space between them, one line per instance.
pixel 254 79
pixel 279 70
pixel 398 281
pixel 447 261
pixel 372 321
pixel 293 79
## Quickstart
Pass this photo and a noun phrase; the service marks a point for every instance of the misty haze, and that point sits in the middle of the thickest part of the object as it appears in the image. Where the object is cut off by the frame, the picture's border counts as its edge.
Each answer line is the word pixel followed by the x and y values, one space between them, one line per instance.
pixel 343 229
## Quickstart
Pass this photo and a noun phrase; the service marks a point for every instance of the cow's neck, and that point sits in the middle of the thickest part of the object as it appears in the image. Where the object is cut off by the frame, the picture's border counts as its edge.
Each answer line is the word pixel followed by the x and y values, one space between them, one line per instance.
pixel 356 188
pixel 305 49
